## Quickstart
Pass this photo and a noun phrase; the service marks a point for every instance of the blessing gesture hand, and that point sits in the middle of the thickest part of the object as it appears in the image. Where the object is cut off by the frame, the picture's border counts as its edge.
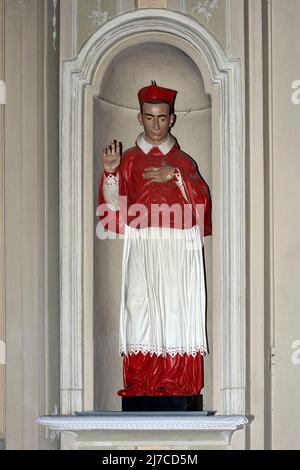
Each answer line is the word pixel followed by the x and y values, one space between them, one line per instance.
pixel 111 157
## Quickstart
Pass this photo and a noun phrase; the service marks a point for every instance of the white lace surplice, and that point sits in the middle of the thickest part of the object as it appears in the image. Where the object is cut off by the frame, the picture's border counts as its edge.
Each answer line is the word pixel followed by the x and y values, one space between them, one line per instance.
pixel 163 292
pixel 163 287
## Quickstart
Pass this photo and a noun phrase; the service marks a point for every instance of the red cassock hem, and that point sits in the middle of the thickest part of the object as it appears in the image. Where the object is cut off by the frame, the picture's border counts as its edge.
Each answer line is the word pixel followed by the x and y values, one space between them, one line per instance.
pixel 152 375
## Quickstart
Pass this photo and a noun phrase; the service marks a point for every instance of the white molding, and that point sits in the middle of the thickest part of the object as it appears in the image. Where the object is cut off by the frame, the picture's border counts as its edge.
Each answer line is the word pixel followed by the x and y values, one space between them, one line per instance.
pixel 228 27
pixel 2 92
pixel 54 23
pixel 183 6
pixel 18 8
pixel 258 184
pixel 120 7
pixel 2 353
pixel 120 431
pixel 68 29
pixel 74 27
pixel 121 421
pixel 224 74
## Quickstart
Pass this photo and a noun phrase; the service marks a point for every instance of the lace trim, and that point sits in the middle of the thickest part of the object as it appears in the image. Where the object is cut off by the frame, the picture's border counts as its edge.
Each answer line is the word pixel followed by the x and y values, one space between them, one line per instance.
pixel 162 351
pixel 112 180
pixel 180 184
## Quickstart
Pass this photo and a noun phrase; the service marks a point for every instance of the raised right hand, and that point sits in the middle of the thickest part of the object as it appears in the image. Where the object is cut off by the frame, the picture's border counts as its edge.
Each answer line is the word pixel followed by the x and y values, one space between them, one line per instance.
pixel 111 157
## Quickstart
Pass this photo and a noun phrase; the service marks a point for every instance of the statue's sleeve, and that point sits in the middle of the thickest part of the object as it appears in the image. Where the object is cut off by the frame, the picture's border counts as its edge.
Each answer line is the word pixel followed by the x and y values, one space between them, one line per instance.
pixel 196 192
pixel 113 190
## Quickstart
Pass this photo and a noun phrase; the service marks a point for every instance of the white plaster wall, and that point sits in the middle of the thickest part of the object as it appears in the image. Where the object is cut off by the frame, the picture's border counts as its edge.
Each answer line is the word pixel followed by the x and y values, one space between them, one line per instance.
pixel 31 223
pixel 137 66
pixel 215 16
pixel 284 167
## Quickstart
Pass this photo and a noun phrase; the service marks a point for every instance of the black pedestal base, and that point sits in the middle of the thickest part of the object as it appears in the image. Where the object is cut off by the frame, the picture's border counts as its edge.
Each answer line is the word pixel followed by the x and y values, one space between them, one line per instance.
pixel 170 403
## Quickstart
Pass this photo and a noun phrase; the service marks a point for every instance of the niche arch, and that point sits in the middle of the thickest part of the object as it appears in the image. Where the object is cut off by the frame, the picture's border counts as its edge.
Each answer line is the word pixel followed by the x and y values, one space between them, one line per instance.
pixel 81 81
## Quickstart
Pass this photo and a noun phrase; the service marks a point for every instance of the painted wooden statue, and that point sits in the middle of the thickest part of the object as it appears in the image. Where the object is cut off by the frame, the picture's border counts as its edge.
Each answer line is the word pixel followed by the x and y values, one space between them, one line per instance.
pixel 154 195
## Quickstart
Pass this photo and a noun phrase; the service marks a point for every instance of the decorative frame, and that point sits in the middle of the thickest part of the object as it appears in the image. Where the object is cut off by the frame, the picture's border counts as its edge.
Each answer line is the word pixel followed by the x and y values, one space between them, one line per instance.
pixel 222 75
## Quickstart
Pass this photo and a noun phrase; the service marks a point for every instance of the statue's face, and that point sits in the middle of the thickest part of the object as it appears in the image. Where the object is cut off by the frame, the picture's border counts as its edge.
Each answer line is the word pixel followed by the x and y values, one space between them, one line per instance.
pixel 156 120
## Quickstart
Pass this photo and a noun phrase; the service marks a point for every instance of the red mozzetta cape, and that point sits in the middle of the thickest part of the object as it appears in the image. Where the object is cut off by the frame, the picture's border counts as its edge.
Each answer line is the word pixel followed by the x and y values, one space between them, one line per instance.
pixel 139 191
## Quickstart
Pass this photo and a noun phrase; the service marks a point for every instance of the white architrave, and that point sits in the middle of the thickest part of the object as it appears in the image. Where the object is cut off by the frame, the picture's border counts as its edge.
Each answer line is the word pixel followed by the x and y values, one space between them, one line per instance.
pixel 222 72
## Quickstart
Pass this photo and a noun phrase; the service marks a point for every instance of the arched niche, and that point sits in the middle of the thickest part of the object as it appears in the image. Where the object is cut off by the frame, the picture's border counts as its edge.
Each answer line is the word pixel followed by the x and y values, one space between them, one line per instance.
pixel 115 116
pixel 82 80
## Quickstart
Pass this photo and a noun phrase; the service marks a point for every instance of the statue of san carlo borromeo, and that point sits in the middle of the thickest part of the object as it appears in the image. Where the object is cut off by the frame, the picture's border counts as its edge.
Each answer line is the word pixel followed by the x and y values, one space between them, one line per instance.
pixel 154 195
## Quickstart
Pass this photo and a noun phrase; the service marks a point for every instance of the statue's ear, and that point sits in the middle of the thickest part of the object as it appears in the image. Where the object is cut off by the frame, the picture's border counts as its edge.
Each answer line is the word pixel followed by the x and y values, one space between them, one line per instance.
pixel 140 119
pixel 172 119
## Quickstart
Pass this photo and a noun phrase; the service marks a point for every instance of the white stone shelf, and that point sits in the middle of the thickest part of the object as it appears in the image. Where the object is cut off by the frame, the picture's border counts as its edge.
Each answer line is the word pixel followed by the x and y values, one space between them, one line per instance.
pixel 144 430
pixel 151 421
